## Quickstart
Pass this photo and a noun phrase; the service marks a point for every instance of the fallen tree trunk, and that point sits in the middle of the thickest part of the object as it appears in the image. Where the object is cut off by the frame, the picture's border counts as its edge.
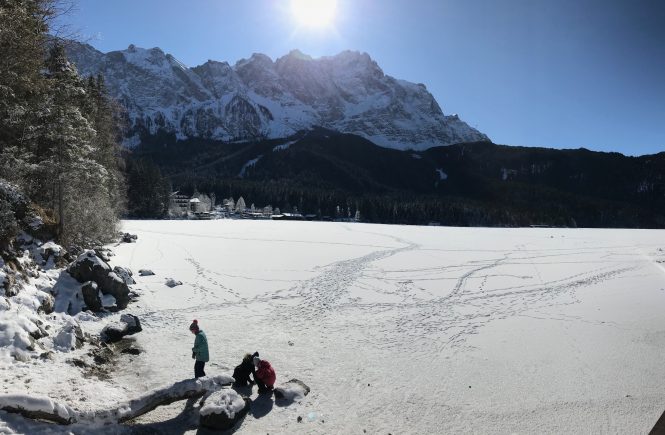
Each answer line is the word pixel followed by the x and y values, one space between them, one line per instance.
pixel 191 388
pixel 43 408
pixel 37 408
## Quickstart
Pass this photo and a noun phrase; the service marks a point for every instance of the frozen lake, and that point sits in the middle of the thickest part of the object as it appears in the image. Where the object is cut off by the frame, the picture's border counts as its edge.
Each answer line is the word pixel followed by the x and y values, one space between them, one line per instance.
pixel 406 329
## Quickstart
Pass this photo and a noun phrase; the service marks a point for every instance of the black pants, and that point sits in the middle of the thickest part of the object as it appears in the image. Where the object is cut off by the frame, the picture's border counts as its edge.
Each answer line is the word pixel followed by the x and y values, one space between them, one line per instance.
pixel 263 388
pixel 198 369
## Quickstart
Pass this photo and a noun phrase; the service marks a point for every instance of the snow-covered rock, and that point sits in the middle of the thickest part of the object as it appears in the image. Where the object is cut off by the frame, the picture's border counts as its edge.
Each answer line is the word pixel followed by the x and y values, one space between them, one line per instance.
pixel 89 267
pixel 262 98
pixel 223 409
pixel 127 325
pixel 170 282
pixel 50 254
pixel 125 273
pixel 91 296
pixel 128 238
pixel 146 272
pixel 292 391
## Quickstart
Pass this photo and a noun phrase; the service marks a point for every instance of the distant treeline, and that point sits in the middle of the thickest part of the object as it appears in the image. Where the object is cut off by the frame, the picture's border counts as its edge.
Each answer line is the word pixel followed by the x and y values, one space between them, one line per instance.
pixel 334 175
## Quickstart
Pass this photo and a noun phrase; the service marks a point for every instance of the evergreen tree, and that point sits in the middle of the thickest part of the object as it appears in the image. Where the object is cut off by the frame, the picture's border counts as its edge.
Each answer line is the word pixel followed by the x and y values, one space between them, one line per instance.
pixel 23 27
pixel 148 190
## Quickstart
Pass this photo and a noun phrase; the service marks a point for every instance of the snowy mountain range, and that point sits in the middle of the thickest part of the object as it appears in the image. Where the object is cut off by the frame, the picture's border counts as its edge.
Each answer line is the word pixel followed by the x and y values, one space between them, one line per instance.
pixel 258 98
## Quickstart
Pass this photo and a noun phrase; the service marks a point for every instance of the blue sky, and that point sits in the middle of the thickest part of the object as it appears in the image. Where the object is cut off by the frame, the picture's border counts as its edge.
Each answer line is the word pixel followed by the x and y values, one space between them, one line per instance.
pixel 558 73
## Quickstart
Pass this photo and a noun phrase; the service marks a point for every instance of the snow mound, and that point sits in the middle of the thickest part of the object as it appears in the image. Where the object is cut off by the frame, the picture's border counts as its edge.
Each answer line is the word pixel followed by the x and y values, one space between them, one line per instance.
pixel 69 338
pixel 226 402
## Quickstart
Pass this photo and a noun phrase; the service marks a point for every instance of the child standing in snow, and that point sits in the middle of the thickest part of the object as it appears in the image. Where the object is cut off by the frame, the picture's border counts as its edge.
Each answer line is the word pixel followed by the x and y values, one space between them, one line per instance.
pixel 200 349
pixel 265 375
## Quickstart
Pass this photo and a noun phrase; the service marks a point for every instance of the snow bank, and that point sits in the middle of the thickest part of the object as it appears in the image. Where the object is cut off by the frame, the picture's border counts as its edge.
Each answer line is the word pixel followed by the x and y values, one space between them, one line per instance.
pixel 68 295
pixel 18 330
pixel 226 402
pixel 69 337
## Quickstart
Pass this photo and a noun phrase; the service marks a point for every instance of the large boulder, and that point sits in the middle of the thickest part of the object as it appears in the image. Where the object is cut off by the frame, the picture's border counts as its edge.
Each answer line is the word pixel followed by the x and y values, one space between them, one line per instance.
pixel 125 273
pixel 89 267
pixel 91 297
pixel 127 325
pixel 223 409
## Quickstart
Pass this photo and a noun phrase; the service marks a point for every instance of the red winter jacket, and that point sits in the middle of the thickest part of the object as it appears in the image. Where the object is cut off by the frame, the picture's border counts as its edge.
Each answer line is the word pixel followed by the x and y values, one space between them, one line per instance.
pixel 265 373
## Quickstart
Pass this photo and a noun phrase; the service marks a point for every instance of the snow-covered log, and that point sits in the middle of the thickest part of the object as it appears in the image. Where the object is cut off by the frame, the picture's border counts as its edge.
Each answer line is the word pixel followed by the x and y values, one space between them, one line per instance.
pixel 190 388
pixel 43 408
pixel 37 408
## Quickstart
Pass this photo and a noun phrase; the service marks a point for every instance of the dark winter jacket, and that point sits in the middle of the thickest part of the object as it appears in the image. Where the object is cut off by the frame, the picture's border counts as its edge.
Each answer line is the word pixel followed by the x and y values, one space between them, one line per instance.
pixel 265 373
pixel 244 369
pixel 200 349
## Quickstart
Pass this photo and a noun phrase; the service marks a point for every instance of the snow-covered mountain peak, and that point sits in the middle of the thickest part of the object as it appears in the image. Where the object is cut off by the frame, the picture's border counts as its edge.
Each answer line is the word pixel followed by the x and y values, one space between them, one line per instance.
pixel 258 97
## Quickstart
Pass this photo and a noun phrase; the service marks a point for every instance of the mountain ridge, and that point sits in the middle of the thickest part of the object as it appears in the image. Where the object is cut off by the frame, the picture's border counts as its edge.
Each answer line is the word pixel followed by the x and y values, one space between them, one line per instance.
pixel 261 98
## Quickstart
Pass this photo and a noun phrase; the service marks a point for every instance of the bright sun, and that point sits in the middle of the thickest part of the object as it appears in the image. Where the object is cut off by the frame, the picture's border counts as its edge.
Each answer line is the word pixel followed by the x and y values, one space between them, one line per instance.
pixel 314 13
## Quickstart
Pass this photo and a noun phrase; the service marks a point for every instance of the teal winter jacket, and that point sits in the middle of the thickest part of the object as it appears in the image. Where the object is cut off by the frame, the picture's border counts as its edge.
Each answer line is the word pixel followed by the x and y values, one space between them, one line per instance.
pixel 200 348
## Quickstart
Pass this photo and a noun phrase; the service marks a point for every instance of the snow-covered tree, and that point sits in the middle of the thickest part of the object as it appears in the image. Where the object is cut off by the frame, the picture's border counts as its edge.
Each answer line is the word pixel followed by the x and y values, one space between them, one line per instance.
pixel 240 205
pixel 57 135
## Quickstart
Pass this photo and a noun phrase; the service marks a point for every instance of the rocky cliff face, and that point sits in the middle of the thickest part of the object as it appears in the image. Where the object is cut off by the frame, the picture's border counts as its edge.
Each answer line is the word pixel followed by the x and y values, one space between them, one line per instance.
pixel 262 98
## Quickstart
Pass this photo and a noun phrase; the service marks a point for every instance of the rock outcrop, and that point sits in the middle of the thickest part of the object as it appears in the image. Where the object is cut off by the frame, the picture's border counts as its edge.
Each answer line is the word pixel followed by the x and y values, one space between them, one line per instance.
pixel 89 267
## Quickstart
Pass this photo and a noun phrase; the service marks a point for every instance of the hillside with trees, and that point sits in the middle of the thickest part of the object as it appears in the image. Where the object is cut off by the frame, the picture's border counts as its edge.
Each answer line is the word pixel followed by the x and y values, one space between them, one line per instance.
pixel 58 131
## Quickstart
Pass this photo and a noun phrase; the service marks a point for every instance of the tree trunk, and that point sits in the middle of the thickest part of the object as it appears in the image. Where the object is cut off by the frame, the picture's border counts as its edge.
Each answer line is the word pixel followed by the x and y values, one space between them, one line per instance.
pixel 187 389
pixel 37 415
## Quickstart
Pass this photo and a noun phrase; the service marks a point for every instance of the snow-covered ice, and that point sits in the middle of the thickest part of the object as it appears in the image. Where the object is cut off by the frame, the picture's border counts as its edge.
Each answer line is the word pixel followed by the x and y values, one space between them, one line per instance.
pixel 402 329
pixel 416 329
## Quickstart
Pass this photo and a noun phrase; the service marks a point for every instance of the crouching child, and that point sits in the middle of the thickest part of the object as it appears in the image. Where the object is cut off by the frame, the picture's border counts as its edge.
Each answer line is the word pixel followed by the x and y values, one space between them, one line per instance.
pixel 265 375
pixel 243 370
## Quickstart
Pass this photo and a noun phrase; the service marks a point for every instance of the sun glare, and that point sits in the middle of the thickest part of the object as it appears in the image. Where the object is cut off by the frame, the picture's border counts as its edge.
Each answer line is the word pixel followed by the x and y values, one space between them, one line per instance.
pixel 314 13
